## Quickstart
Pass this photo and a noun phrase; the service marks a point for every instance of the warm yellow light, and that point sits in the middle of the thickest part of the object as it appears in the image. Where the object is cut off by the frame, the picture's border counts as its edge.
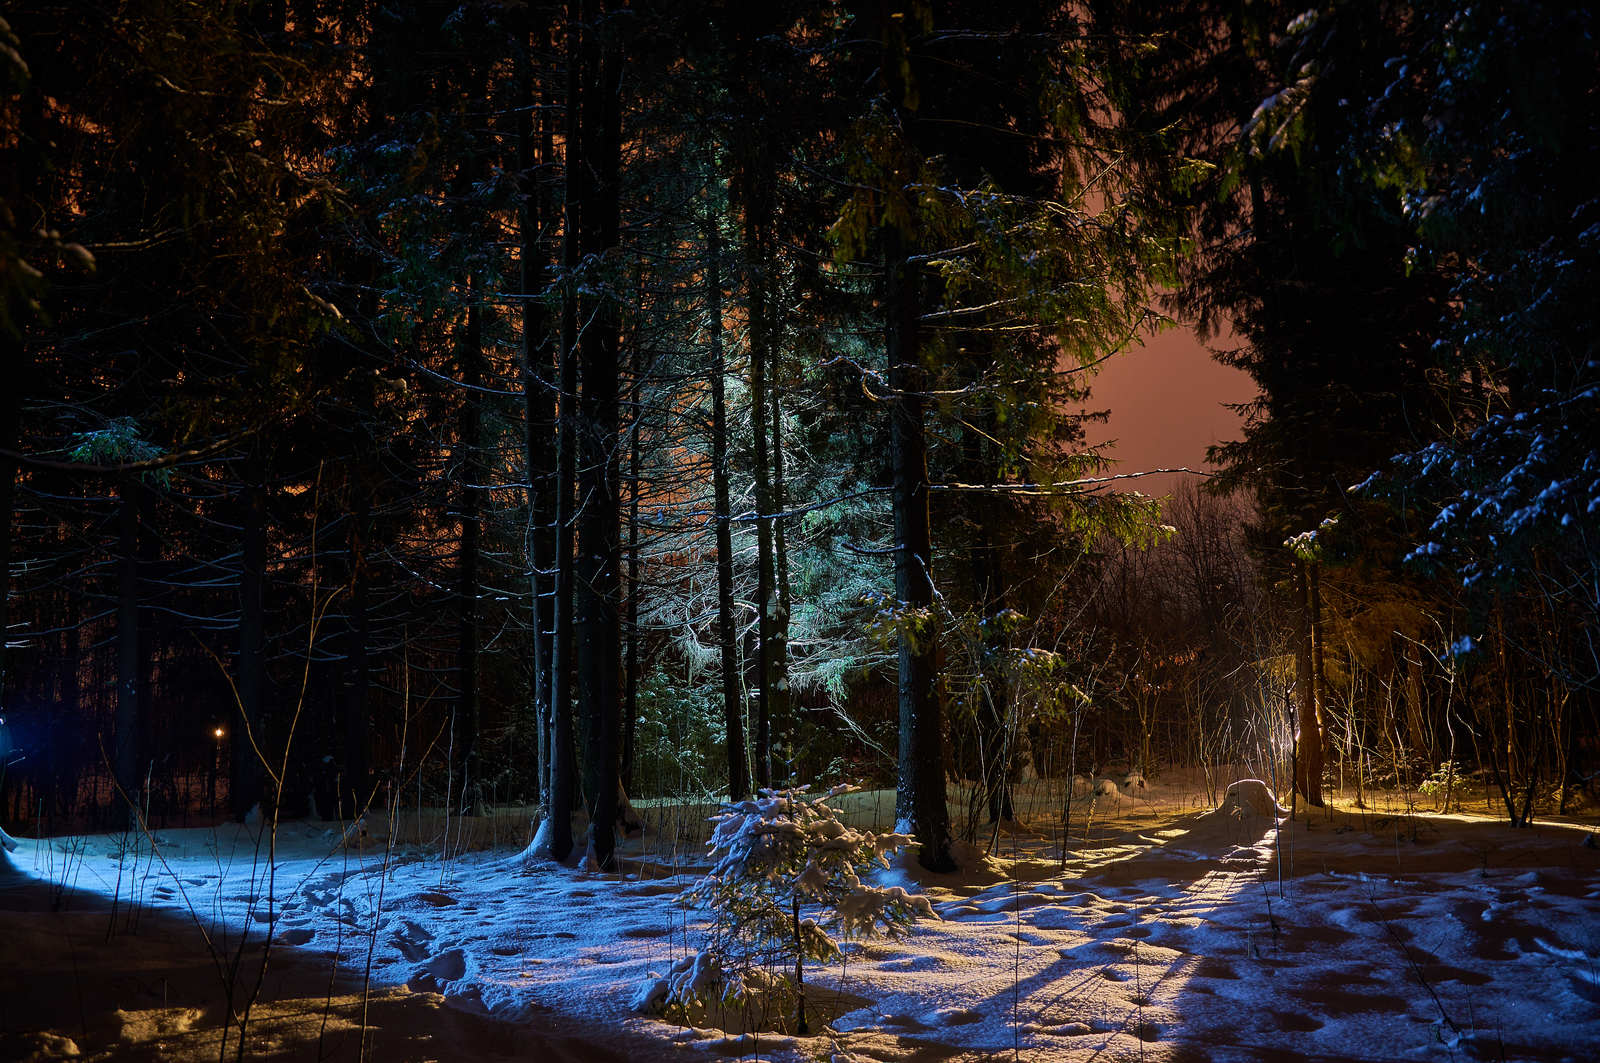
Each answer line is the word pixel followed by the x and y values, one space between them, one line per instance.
pixel 218 732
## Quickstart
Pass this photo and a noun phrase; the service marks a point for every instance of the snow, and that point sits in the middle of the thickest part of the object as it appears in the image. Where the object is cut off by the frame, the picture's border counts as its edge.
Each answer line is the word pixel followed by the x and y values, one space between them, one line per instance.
pixel 1175 931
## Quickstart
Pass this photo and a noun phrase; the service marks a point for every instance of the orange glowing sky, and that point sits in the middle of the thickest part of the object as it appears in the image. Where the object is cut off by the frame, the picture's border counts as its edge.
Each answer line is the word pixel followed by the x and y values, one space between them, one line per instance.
pixel 1168 403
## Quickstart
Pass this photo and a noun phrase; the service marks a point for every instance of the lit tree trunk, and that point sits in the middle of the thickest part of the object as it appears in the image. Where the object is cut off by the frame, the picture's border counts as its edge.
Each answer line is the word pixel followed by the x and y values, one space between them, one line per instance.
pixel 1319 682
pixel 757 210
pixel 1308 737
pixel 727 636
pixel 778 659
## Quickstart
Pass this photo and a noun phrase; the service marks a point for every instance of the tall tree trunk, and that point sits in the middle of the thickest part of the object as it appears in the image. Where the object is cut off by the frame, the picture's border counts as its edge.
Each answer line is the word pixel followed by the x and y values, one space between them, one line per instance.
pixel 920 793
pixel 538 384
pixel 778 702
pixel 245 783
pixel 1308 735
pixel 354 794
pixel 920 797
pixel 997 744
pixel 1319 683
pixel 13 364
pixel 727 635
pixel 20 185
pixel 469 470
pixel 630 670
pixel 128 755
pixel 563 765
pixel 599 549
pixel 757 249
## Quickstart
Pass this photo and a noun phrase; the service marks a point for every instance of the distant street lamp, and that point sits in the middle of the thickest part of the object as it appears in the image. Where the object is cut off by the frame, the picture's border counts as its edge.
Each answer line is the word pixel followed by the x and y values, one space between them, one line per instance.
pixel 216 764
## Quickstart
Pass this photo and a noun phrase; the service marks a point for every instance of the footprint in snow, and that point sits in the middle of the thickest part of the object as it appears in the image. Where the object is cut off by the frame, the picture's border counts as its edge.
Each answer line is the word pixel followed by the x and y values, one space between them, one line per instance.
pixel 413 943
pixel 906 1021
pixel 448 966
pixel 911 963
pixel 1298 1022
pixel 646 932
pixel 298 936
pixel 1033 939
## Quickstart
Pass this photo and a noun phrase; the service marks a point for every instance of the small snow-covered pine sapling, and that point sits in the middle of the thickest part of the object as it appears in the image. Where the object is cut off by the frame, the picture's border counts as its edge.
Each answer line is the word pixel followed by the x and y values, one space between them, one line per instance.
pixel 785 887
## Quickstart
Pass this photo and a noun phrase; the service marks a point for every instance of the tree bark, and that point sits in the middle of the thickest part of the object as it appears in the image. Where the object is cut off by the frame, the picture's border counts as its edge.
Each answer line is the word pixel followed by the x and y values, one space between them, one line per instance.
pixel 630 670
pixel 757 209
pixel 128 755
pixel 778 701
pixel 920 797
pixel 13 358
pixel 354 794
pixel 1308 735
pixel 598 585
pixel 727 635
pixel 563 770
pixel 535 211
pixel 470 476
pixel 245 785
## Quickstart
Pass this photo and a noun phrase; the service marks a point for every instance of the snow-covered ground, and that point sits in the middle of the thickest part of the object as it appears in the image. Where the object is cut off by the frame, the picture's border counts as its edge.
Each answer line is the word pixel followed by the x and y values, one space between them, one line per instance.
pixel 1174 932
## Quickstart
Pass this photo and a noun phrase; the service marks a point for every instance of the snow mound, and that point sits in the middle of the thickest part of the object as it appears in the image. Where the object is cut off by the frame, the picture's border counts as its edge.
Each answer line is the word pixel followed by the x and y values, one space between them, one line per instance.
pixel 1252 797
pixel 1106 788
pixel 45 1048
pixel 1134 781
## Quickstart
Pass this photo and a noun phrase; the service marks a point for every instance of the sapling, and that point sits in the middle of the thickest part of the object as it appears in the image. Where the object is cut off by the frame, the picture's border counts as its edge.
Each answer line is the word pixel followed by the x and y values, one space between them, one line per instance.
pixel 785 887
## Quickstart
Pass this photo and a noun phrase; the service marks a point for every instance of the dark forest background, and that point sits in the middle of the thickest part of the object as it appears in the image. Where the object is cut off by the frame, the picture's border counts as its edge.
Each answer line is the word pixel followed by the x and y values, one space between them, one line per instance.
pixel 507 400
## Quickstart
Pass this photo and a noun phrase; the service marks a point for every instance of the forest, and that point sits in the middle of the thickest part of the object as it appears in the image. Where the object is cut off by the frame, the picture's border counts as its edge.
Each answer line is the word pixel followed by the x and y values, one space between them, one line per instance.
pixel 541 440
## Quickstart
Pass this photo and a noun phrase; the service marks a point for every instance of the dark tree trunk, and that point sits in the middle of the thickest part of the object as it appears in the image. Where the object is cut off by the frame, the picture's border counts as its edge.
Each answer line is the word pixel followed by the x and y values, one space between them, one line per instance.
pixel 128 755
pixel 354 793
pixel 997 744
pixel 245 784
pixel 598 584
pixel 630 671
pixel 14 365
pixel 563 766
pixel 538 384
pixel 469 471
pixel 920 797
pixel 727 634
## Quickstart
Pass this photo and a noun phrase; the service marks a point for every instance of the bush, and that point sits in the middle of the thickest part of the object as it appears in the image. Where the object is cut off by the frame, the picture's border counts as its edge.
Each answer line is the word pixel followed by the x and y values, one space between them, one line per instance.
pixel 679 744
